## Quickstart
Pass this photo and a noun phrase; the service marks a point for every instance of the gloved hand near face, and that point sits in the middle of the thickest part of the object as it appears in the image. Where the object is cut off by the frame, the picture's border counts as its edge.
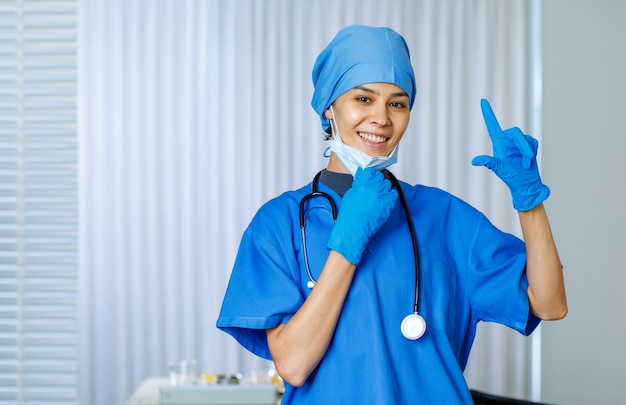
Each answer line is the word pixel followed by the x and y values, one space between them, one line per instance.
pixel 514 161
pixel 365 208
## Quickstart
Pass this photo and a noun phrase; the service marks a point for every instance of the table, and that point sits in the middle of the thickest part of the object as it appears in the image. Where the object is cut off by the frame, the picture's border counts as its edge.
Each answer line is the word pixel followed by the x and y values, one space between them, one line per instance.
pixel 152 389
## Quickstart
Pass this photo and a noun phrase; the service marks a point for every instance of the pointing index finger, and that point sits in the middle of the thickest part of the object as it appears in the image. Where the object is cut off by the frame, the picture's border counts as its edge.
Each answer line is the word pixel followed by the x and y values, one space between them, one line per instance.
pixel 493 126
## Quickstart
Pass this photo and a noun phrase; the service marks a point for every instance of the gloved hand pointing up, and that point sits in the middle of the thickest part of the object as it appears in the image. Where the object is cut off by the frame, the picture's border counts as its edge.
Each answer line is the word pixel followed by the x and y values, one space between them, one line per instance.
pixel 514 161
pixel 365 208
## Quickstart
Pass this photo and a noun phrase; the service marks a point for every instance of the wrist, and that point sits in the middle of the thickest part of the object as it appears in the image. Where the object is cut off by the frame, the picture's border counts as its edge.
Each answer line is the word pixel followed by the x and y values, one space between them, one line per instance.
pixel 525 202
pixel 349 246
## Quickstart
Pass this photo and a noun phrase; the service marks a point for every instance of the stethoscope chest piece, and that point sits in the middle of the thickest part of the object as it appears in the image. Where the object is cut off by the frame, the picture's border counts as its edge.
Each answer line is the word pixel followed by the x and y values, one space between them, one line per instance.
pixel 413 326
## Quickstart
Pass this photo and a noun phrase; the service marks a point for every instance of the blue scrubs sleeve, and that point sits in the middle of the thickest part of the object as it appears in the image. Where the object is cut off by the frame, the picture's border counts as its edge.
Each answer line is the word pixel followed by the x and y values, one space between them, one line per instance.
pixel 498 280
pixel 263 290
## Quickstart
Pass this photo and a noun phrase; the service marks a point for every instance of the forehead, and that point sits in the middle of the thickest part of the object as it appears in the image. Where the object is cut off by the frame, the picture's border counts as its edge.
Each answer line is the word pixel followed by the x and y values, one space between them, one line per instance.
pixel 380 89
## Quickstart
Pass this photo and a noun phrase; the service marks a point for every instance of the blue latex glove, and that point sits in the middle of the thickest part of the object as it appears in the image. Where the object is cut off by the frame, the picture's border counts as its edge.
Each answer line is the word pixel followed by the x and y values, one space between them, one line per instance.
pixel 365 208
pixel 514 161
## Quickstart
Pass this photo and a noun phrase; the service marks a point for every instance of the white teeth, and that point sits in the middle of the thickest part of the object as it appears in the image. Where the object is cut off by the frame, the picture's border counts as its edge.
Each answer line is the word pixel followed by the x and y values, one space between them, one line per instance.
pixel 372 138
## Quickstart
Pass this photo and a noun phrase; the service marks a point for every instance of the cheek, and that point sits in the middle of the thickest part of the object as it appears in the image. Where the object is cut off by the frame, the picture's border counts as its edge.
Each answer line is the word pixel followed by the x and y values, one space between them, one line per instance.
pixel 401 123
pixel 349 119
pixel 397 140
pixel 355 117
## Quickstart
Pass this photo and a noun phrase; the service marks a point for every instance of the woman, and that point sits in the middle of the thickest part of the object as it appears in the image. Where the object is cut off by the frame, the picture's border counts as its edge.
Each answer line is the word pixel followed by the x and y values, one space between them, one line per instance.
pixel 326 302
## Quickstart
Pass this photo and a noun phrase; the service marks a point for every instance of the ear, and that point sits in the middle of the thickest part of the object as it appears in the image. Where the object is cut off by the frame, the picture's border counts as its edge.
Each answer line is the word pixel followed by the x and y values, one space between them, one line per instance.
pixel 328 114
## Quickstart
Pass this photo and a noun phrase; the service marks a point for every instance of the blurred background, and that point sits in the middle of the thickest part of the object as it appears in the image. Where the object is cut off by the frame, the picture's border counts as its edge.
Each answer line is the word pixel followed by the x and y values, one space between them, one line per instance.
pixel 138 138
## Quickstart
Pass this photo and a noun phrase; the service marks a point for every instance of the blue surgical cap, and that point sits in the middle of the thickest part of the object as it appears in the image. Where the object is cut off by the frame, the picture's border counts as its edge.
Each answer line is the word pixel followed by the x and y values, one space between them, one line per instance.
pixel 358 55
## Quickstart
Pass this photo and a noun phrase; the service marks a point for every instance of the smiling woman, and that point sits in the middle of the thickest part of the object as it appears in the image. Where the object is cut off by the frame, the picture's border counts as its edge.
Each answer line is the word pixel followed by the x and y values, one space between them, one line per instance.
pixel 467 270
pixel 377 148
pixel 373 118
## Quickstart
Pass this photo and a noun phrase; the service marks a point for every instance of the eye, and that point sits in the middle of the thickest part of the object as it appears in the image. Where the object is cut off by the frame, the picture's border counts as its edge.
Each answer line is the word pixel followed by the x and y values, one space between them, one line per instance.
pixel 398 104
pixel 363 99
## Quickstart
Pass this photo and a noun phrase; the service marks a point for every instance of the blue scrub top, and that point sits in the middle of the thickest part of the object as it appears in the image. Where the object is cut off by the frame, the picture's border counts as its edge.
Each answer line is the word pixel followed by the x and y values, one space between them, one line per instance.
pixel 470 272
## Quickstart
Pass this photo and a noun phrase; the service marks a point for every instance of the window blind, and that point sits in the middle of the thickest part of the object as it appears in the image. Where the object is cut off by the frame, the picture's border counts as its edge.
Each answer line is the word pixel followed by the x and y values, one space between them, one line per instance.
pixel 38 202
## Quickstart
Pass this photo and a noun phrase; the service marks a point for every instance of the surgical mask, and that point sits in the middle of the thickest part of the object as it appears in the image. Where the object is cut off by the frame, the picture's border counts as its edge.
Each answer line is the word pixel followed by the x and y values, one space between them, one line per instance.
pixel 353 158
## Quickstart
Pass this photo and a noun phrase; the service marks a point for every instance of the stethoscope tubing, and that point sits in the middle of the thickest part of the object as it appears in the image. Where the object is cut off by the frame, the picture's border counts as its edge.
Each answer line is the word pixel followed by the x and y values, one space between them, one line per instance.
pixel 314 193
pixel 411 225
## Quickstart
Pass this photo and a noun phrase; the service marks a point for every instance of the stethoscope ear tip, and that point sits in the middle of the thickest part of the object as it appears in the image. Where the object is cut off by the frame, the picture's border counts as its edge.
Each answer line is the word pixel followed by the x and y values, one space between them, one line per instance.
pixel 310 284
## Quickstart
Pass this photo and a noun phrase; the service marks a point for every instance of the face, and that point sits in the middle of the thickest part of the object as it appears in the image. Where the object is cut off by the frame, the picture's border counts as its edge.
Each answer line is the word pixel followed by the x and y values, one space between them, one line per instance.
pixel 371 117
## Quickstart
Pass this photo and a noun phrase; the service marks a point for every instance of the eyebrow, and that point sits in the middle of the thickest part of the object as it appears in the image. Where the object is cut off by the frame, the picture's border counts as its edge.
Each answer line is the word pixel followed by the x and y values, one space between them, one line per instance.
pixel 368 90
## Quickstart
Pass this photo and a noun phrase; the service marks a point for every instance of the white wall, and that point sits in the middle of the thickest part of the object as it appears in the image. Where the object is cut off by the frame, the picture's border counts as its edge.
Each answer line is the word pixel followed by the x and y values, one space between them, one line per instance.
pixel 584 142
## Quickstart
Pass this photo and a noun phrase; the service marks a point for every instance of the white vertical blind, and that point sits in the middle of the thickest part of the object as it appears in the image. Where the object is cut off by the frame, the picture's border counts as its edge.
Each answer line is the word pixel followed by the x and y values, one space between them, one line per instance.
pixel 194 113
pixel 38 203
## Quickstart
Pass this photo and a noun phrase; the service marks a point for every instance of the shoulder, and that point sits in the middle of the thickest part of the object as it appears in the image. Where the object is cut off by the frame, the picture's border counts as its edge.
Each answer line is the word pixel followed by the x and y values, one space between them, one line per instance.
pixel 287 200
pixel 442 212
pixel 434 198
pixel 280 209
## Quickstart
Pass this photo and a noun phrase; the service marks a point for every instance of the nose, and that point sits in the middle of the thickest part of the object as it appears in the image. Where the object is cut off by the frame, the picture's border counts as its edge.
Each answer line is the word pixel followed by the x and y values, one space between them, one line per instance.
pixel 379 115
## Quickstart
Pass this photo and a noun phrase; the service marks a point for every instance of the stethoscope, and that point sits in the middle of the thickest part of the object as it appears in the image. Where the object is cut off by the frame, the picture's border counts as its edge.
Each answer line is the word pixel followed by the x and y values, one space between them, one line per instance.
pixel 413 325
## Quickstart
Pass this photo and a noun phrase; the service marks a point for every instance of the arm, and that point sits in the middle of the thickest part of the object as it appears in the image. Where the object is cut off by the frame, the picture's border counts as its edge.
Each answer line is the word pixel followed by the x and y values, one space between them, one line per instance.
pixel 514 161
pixel 299 345
pixel 546 288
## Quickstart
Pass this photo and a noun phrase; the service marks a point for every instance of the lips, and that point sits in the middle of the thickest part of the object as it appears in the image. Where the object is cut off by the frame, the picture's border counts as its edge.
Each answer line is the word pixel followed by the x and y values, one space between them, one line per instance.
pixel 372 137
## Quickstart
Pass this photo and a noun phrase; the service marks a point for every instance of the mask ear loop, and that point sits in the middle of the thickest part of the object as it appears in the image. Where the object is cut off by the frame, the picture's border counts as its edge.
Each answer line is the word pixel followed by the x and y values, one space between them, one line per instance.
pixel 328 137
pixel 334 128
pixel 326 152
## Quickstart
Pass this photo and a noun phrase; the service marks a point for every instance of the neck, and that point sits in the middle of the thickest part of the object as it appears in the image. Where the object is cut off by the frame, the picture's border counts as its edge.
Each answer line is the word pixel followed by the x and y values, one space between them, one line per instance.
pixel 335 165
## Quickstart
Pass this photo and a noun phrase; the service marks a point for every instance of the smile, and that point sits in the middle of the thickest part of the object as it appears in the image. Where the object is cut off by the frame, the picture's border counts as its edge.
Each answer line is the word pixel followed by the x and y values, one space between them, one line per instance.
pixel 371 137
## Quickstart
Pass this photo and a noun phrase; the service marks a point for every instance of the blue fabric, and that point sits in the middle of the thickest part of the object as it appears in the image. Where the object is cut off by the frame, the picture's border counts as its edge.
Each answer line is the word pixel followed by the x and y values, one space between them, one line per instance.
pixel 357 55
pixel 471 272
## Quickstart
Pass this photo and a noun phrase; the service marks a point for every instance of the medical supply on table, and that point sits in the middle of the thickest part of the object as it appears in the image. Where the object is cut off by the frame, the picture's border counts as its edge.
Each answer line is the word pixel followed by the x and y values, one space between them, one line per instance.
pixel 182 372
